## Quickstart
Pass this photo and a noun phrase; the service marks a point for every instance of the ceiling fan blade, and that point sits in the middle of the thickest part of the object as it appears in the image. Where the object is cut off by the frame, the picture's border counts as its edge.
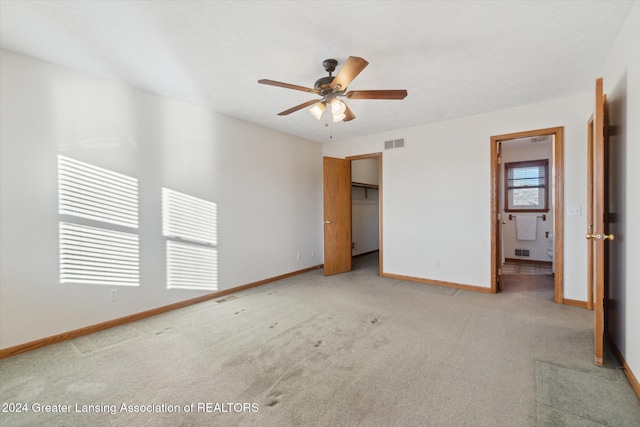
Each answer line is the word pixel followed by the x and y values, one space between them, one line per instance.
pixel 299 107
pixel 349 114
pixel 376 94
pixel 348 72
pixel 286 85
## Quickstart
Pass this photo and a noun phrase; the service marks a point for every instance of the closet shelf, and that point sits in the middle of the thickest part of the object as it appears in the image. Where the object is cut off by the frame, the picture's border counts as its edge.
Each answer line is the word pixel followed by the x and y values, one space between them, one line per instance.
pixel 363 185
pixel 366 187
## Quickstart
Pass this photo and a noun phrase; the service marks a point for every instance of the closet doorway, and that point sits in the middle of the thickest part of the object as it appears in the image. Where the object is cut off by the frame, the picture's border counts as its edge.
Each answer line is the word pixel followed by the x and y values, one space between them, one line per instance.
pixel 527 208
pixel 366 207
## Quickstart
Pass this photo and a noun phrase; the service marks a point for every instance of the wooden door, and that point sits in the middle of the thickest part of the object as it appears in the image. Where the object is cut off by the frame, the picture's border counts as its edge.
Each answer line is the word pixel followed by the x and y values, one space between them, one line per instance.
pixel 337 215
pixel 596 232
pixel 590 214
pixel 500 221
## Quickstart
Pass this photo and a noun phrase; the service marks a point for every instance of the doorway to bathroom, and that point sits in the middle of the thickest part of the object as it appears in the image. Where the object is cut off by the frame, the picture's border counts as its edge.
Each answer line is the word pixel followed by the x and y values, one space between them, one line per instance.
pixel 526 212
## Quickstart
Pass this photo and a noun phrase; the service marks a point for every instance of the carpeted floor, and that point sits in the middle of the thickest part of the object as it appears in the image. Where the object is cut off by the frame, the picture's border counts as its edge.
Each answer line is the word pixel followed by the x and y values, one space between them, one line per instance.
pixel 348 350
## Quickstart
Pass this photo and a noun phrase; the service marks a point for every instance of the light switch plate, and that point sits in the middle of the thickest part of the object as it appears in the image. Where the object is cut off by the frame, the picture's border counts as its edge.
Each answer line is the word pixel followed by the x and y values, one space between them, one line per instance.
pixel 574 211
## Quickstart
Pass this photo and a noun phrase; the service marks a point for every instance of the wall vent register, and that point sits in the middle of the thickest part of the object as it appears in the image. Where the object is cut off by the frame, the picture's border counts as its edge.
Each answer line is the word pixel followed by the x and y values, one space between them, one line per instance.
pixel 394 143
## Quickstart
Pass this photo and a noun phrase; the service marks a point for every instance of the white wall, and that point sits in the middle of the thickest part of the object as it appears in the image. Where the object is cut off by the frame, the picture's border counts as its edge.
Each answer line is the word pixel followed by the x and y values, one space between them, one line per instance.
pixel 268 187
pixel 436 203
pixel 621 77
pixel 537 248
pixel 365 171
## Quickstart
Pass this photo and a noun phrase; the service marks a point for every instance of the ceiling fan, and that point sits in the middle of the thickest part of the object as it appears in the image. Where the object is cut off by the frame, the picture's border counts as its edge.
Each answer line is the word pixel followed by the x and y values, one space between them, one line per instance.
pixel 331 88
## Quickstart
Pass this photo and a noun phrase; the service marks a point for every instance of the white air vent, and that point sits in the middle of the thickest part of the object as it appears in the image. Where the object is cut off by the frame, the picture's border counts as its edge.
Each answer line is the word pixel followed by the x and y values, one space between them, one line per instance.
pixel 394 143
pixel 539 138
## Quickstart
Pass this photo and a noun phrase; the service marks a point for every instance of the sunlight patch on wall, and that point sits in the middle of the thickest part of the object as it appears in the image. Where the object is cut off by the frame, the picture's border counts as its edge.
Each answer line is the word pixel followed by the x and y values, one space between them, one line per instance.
pixel 98 237
pixel 191 266
pixel 189 217
pixel 95 193
pixel 190 225
pixel 97 256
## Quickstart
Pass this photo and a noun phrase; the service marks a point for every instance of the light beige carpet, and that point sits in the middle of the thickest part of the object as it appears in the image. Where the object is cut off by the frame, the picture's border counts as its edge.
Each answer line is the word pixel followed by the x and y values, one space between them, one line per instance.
pixel 348 350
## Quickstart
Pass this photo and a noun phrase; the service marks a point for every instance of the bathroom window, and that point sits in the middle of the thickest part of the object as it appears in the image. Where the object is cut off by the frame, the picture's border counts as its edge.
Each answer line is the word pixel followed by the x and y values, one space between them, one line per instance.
pixel 526 186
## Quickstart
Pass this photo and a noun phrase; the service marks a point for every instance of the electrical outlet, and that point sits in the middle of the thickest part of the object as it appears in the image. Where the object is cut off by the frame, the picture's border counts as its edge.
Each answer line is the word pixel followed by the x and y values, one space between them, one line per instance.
pixel 313 252
pixel 113 294
pixel 437 263
pixel 299 256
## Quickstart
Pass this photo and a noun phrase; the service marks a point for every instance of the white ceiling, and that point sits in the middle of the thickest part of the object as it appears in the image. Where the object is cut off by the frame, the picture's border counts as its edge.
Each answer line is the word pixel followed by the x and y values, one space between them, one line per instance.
pixel 455 58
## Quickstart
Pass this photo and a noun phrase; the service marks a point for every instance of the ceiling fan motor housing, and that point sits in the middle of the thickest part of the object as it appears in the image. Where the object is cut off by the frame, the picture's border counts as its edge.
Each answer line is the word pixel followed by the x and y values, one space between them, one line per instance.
pixel 330 65
pixel 323 85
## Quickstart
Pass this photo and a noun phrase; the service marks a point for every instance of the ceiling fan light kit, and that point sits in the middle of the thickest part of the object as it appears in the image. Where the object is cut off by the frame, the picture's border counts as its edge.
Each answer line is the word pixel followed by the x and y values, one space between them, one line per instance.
pixel 337 106
pixel 330 88
pixel 339 117
pixel 317 110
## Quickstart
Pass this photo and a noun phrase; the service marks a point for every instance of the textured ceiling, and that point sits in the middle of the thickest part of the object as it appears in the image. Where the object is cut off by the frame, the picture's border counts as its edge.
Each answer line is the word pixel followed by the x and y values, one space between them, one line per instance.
pixel 455 58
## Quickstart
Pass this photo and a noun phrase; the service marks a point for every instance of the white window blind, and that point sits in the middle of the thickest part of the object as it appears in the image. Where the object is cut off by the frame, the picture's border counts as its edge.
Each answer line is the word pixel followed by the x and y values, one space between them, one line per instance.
pixel 191 266
pixel 190 225
pixel 95 193
pixel 91 255
pixel 526 177
pixel 189 218
pixel 526 186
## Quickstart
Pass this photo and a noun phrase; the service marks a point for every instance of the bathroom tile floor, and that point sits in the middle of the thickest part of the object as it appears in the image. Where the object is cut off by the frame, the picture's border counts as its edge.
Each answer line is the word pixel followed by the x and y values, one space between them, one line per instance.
pixel 523 267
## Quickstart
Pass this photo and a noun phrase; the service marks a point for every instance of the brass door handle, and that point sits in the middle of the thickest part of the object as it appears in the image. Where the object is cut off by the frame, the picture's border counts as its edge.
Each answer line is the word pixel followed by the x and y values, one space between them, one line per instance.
pixel 600 236
pixel 327 222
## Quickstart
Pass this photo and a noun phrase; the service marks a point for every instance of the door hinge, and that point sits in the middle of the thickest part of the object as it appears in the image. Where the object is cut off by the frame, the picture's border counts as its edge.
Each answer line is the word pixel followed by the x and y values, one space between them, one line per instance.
pixel 499 160
pixel 499 217
pixel 499 272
